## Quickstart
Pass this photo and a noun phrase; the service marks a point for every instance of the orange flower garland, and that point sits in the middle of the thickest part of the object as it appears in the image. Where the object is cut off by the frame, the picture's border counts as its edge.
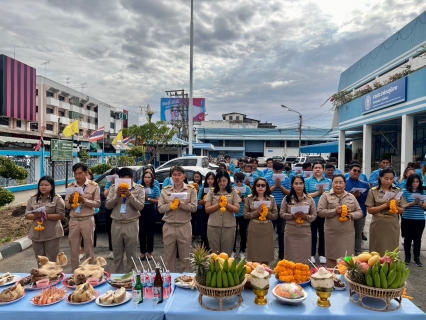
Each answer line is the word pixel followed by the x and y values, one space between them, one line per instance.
pixel 40 221
pixel 123 186
pixel 392 207
pixel 288 271
pixel 299 220
pixel 75 203
pixel 175 204
pixel 195 185
pixel 264 212
pixel 222 203
pixel 344 214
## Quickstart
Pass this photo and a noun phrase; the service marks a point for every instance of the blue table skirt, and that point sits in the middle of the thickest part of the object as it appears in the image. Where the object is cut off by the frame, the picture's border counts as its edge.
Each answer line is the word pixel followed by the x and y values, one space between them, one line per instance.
pixel 184 305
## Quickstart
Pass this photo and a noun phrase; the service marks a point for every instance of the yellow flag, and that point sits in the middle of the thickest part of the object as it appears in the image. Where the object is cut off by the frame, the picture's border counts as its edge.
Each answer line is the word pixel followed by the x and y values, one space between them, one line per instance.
pixel 119 137
pixel 72 128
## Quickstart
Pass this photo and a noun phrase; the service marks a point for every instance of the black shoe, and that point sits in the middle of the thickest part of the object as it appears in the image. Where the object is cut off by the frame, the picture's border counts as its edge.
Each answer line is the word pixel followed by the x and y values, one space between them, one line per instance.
pixel 363 237
pixel 417 262
pixel 407 261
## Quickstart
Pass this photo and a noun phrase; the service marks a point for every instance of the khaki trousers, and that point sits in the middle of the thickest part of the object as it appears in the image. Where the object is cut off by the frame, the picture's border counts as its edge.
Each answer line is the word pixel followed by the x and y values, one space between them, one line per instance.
pixel 49 249
pixel 177 239
pixel 221 239
pixel 81 229
pixel 124 237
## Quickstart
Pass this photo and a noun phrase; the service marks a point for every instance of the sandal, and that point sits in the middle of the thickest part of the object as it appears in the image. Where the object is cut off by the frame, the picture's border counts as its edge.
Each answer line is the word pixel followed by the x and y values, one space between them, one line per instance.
pixel 143 258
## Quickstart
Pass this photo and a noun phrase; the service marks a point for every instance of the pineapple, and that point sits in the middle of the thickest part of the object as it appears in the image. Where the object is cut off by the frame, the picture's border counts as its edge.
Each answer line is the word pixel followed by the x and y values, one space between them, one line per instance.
pixel 199 258
pixel 354 271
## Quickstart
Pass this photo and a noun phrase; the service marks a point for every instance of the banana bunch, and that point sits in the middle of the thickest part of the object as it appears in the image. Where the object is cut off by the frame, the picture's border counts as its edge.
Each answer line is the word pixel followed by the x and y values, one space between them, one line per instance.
pixel 225 276
pixel 388 275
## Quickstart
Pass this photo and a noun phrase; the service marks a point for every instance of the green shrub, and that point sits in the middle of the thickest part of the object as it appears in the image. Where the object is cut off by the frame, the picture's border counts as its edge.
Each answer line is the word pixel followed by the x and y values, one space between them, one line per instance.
pixel 125 161
pixel 6 197
pixel 101 168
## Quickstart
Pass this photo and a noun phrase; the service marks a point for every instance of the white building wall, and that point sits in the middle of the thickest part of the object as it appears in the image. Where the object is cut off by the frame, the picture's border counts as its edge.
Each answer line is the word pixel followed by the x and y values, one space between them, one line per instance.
pixel 227 124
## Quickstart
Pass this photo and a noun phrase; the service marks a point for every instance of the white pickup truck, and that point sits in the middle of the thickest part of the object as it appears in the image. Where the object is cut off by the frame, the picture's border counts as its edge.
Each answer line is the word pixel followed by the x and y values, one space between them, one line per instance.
pixel 194 161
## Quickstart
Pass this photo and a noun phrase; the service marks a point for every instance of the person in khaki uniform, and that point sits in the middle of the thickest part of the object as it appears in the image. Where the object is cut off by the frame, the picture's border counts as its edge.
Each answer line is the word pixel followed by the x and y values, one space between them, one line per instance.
pixel 339 235
pixel 46 242
pixel 82 222
pixel 221 225
pixel 260 232
pixel 297 236
pixel 125 220
pixel 177 230
pixel 384 227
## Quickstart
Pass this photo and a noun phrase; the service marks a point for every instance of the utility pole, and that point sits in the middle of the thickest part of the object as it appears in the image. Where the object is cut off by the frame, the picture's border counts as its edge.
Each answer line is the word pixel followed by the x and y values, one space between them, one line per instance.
pixel 300 124
pixel 191 100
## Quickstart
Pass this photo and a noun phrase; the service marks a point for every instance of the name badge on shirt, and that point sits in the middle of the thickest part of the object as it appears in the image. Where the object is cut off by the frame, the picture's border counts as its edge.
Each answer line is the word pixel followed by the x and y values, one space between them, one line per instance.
pixel 78 209
pixel 123 208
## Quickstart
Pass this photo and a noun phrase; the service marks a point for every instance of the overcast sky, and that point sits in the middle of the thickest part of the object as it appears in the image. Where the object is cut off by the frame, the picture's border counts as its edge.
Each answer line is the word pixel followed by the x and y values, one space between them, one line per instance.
pixel 250 56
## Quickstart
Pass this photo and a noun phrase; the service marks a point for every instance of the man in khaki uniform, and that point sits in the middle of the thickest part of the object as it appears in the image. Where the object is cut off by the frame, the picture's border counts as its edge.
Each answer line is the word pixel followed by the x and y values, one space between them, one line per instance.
pixel 177 230
pixel 125 220
pixel 82 222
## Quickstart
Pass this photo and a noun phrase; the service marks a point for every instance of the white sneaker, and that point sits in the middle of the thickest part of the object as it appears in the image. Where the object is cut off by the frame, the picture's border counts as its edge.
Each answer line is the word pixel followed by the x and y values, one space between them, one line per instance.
pixel 81 256
pixel 242 256
pixel 233 255
pixel 313 259
pixel 110 256
pixel 323 259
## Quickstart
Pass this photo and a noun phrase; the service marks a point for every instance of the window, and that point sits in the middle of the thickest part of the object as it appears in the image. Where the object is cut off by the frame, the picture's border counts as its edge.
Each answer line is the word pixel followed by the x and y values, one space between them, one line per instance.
pixel 88 108
pixel 62 113
pixel 234 143
pixel 293 144
pixel 383 146
pixel 191 162
pixel 237 117
pixel 34 126
pixel 274 144
pixel 37 92
pixel 112 125
pixel 4 121
pixel 36 108
pixel 18 123
pixel 177 162
pixel 161 176
pixel 89 120
pixel 49 111
pixel 49 94
pixel 112 114
pixel 230 117
pixel 81 105
pixel 204 162
pixel 61 98
pixel 49 127
pixel 216 143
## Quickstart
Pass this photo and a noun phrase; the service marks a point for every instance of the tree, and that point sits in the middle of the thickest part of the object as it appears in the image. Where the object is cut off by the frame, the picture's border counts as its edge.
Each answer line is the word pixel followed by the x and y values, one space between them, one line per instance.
pixel 152 137
pixel 9 170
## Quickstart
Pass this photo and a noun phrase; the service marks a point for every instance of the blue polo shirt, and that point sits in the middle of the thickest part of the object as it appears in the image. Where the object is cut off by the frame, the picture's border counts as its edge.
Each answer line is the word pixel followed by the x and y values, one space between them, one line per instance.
pixel 245 195
pixel 374 177
pixel 277 193
pixel 362 177
pixel 415 212
pixel 351 183
pixel 155 193
pixel 310 186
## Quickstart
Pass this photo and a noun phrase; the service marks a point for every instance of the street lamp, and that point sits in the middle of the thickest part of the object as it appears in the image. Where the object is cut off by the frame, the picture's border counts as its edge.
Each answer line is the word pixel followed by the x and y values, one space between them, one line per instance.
pixel 300 125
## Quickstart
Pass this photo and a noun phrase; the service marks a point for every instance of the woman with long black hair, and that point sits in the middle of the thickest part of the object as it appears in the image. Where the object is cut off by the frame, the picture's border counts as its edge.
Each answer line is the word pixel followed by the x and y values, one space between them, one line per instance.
pixel 204 217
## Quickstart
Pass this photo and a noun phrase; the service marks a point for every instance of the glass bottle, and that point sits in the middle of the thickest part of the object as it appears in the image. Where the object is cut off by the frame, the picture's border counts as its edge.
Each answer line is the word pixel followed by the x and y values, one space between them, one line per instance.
pixel 138 290
pixel 158 287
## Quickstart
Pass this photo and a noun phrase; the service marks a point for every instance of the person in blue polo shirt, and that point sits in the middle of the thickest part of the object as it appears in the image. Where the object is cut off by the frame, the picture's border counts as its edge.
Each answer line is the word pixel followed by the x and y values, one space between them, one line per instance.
pixel 288 171
pixel 333 161
pixel 362 176
pixel 317 227
pixel 280 188
pixel 254 163
pixel 249 174
pixel 241 164
pixel 269 169
pixel 230 166
pixel 374 177
pixel 353 181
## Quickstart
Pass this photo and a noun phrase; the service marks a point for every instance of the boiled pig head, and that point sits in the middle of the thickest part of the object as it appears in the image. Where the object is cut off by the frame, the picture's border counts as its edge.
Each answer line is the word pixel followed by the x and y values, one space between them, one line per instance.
pixel 49 269
pixel 87 270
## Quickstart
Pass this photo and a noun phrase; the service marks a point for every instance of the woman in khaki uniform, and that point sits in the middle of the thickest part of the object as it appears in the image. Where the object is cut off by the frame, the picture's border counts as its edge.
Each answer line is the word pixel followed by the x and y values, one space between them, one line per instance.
pixel 339 235
pixel 384 227
pixel 298 236
pixel 221 225
pixel 260 233
pixel 46 242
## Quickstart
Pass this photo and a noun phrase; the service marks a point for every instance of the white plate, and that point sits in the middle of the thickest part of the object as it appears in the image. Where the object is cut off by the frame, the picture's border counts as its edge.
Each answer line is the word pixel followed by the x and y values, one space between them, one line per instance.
pixel 185 285
pixel 15 278
pixel 128 297
pixel 4 303
pixel 290 301
pixel 97 294
pixel 47 304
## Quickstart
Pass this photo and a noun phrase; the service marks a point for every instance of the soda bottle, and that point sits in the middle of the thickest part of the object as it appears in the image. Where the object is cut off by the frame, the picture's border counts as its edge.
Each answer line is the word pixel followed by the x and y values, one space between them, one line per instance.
pixel 158 287
pixel 138 291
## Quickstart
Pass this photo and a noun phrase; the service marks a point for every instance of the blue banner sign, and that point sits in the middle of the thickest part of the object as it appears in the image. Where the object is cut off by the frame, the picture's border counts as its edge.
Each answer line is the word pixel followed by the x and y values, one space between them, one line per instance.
pixel 385 96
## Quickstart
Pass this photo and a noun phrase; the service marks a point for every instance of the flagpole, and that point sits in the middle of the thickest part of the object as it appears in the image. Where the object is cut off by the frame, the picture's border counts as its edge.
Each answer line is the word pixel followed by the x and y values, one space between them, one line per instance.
pixel 103 149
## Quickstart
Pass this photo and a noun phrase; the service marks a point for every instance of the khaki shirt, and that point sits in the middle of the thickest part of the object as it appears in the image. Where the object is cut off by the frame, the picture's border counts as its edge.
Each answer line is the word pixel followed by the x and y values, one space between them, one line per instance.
pixel 92 196
pixel 134 203
pixel 329 201
pixel 285 211
pixel 183 213
pixel 223 219
pixel 52 228
pixel 375 199
pixel 251 213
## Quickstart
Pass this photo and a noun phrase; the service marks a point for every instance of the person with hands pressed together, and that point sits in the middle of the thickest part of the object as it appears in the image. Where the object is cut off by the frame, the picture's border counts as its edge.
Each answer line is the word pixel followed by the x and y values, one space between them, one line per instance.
pixel 261 231
pixel 339 208
pixel 113 172
pixel 222 223
pixel 414 218
pixel 204 217
pixel 125 204
pixel 254 164
pixel 297 236
pixel 384 227
pixel 82 222
pixel 46 241
pixel 177 230
pixel 317 227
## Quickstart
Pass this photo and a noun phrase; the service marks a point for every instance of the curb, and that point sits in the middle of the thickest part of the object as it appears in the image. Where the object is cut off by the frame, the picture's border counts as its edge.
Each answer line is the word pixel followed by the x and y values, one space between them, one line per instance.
pixel 15 247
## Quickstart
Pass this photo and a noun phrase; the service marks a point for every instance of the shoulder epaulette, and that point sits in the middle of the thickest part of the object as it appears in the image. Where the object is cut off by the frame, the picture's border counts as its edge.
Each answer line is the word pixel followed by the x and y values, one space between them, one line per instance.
pixel 272 196
pixel 93 183
pixel 70 184
pixel 212 188
pixel 137 184
pixel 326 191
pixel 191 186
pixel 375 188
pixel 308 196
pixel 167 187
pixel 249 196
pixel 58 195
pixel 34 195
pixel 395 187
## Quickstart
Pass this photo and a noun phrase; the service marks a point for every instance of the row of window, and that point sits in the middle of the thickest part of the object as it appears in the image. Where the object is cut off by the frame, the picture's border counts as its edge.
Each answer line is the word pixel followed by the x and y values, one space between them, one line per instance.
pixel 62 98
pixel 268 144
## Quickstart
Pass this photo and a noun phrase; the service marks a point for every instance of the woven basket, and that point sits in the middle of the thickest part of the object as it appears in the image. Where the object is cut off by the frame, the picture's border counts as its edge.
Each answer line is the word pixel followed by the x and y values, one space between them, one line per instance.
pixel 220 294
pixel 387 295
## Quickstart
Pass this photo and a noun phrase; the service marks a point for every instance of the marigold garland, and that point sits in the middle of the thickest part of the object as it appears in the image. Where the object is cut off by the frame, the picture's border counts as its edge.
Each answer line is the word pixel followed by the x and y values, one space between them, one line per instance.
pixel 123 186
pixel 175 204
pixel 393 207
pixel 222 203
pixel 196 186
pixel 75 203
pixel 299 220
pixel 40 221
pixel 264 212
pixel 288 271
pixel 344 214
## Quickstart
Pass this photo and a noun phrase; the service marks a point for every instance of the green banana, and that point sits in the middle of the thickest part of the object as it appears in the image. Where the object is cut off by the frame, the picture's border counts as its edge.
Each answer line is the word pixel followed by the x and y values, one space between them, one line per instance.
pixel 369 281
pixel 233 266
pixel 385 268
pixel 243 272
pixel 219 279
pixel 376 279
pixel 225 280
pixel 383 281
pixel 240 266
pixel 395 282
pixel 369 271
pixel 404 277
pixel 391 277
pixel 236 279
pixel 225 265
pixel 212 265
pixel 393 265
pixel 217 265
pixel 242 275
pixel 213 283
pixel 209 278
pixel 231 281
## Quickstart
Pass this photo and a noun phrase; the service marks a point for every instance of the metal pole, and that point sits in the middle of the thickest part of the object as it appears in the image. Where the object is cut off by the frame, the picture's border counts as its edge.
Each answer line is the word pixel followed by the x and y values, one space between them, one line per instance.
pixel 191 58
pixel 300 132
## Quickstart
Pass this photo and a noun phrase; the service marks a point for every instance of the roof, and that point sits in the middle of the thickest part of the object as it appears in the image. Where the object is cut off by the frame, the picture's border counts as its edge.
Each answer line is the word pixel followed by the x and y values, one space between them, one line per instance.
pixel 4 139
pixel 328 147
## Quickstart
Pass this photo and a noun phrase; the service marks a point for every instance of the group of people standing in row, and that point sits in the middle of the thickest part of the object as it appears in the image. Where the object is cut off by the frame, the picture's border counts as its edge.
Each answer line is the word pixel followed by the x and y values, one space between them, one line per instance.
pixel 305 212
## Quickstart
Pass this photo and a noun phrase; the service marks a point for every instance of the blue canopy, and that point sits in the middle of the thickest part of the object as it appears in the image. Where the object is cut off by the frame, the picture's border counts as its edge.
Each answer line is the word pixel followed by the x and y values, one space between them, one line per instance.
pixel 328 147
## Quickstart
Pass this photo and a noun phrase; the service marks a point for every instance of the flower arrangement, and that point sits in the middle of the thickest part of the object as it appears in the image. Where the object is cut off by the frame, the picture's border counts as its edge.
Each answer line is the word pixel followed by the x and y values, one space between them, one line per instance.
pixel 393 207
pixel 123 186
pixel 222 203
pixel 175 204
pixel 299 220
pixel 40 221
pixel 75 197
pixel 264 212
pixel 288 271
pixel 344 214
pixel 196 186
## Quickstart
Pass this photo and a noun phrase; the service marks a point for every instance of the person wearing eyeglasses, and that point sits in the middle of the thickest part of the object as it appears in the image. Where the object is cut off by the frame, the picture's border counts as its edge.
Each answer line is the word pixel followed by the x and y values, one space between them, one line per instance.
pixel 362 176
pixel 298 234
pixel 339 235
pixel 353 181
pixel 241 164
pixel 221 225
pixel 260 232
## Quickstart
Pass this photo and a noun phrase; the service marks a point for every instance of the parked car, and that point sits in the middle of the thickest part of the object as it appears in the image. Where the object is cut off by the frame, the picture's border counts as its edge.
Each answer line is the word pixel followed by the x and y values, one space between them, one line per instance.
pixel 290 159
pixel 261 161
pixel 301 160
pixel 278 158
pixel 195 161
pixel 162 174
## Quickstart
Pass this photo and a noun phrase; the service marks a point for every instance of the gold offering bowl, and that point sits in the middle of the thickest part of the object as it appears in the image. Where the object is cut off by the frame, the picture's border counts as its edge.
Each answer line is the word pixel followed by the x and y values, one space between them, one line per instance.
pixel 323 297
pixel 261 296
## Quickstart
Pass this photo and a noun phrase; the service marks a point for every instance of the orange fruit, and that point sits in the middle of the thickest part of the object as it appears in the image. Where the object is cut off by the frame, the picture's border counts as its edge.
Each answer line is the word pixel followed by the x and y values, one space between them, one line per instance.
pixel 254 264
pixel 214 256
pixel 223 255
pixel 248 269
